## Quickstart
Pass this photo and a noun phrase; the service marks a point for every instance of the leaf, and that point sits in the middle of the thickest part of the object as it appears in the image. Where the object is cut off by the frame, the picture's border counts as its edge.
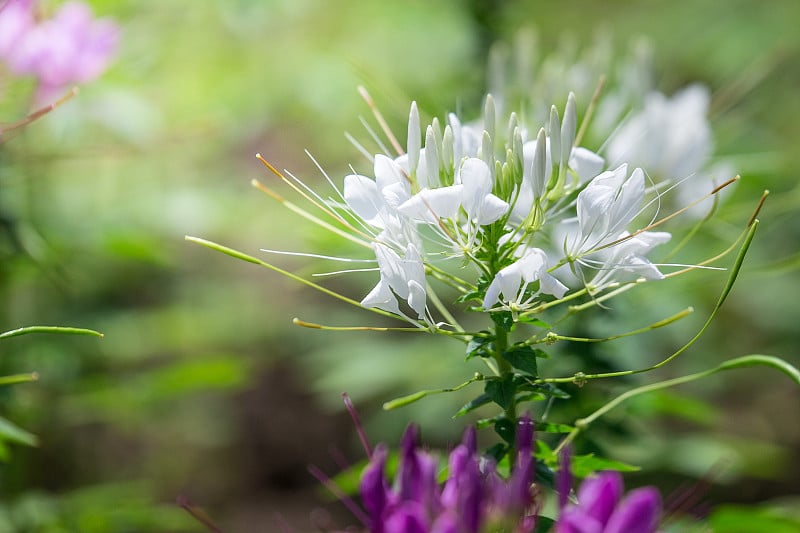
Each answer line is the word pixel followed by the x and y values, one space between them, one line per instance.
pixel 497 452
pixel 544 524
pixel 501 391
pixel 545 475
pixel 545 453
pixel 506 429
pixel 13 433
pixel 585 465
pixel 522 358
pixel 473 404
pixel 533 321
pixel 480 346
pixel 476 296
pixel 504 319
pixel 544 390
pixel 547 427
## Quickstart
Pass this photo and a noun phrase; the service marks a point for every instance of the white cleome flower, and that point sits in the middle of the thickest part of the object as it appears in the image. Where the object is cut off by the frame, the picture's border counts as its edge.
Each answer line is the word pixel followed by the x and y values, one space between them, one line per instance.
pixel 626 261
pixel 670 137
pixel 512 281
pixel 401 277
pixel 376 201
pixel 605 208
pixel 472 192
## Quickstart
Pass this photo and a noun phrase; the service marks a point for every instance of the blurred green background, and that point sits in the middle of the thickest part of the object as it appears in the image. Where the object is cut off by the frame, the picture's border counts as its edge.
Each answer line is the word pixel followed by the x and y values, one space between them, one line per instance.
pixel 202 386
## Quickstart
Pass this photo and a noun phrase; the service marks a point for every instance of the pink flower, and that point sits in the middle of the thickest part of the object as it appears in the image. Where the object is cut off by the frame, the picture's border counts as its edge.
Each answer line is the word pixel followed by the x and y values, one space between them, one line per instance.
pixel 16 20
pixel 72 47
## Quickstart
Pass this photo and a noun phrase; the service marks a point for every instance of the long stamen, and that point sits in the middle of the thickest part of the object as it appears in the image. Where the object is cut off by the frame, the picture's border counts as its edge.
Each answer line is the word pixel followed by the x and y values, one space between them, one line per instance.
pixel 308 216
pixel 381 121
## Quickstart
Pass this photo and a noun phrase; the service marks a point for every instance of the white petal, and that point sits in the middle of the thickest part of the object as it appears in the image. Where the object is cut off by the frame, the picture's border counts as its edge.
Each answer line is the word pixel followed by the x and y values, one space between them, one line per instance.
pixel 548 284
pixel 506 282
pixel 381 297
pixel 492 209
pixel 531 264
pixel 395 194
pixel 428 205
pixel 416 297
pixel 585 163
pixel 388 172
pixel 477 180
pixel 362 196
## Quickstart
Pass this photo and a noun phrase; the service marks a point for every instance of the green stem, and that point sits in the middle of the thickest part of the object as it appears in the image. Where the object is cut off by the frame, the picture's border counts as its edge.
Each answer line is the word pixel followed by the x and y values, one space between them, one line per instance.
pixel 506 371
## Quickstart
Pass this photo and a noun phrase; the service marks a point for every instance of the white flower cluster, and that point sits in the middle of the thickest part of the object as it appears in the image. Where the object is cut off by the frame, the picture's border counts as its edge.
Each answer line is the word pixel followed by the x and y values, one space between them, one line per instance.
pixel 527 215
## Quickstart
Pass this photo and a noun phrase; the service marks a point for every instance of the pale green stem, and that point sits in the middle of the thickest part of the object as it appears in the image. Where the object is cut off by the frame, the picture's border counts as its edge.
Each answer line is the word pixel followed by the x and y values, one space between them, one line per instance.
pixel 728 286
pixel 739 362
pixel 49 329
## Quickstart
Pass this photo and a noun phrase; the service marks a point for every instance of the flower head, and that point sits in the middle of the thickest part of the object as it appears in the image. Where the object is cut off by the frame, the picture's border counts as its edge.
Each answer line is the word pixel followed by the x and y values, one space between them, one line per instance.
pixel 473 498
pixel 601 508
pixel 72 47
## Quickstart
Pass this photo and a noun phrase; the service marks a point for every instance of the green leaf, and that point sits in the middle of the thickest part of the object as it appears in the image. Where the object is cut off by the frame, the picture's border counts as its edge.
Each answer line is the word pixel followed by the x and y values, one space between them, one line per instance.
pixel 540 391
pixel 545 475
pixel 504 319
pixel 533 321
pixel 480 346
pixel 501 391
pixel 522 358
pixel 472 296
pixel 547 427
pixel 13 433
pixel 546 454
pixel 544 524
pixel 586 465
pixel 484 423
pixel 497 452
pixel 506 429
pixel 473 404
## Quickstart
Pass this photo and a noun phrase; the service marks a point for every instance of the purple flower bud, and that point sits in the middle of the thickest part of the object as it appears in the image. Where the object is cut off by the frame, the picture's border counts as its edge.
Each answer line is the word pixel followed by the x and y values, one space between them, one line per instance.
pixel 470 440
pixel 639 511
pixel 522 476
pixel 457 464
pixel 408 517
pixel 373 487
pixel 598 495
pixel 599 509
pixel 417 472
pixel 572 520
pixel 446 523
pixel 564 479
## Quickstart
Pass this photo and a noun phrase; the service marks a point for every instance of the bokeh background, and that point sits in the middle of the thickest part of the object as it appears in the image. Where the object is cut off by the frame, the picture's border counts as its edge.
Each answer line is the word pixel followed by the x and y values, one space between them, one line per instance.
pixel 202 386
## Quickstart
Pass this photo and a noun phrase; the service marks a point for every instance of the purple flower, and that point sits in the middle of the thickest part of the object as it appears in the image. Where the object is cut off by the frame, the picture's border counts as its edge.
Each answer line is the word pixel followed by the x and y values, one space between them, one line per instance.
pixel 473 498
pixel 72 47
pixel 600 509
pixel 16 19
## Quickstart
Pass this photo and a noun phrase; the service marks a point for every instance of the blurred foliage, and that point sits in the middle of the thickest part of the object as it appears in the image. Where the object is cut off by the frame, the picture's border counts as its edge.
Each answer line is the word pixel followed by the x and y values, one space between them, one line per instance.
pixel 203 386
